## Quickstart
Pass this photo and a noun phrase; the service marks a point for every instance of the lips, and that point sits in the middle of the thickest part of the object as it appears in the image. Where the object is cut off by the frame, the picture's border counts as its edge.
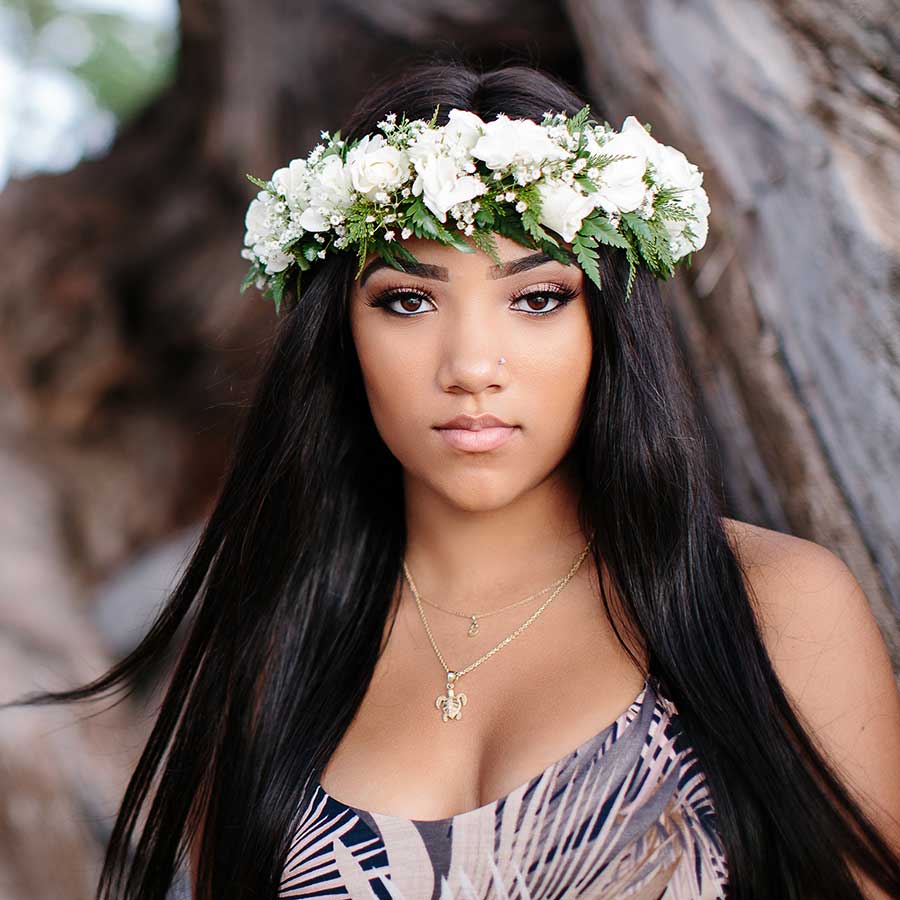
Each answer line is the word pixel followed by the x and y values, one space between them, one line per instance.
pixel 475 423
pixel 475 434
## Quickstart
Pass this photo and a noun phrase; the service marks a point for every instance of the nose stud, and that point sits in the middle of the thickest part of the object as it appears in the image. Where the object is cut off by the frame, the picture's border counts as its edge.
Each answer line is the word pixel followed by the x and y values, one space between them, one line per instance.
pixel 502 360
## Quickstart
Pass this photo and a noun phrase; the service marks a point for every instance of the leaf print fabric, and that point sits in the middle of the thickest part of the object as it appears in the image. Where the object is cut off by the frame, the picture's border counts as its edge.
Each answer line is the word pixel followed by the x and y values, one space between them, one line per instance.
pixel 625 815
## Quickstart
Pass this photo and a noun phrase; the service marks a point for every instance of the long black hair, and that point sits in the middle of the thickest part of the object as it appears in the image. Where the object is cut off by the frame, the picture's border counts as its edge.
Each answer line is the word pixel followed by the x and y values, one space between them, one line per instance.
pixel 288 592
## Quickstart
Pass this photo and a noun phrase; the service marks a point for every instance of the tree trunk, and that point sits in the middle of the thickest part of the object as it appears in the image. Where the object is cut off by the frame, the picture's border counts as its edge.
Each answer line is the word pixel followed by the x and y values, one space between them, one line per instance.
pixel 789 316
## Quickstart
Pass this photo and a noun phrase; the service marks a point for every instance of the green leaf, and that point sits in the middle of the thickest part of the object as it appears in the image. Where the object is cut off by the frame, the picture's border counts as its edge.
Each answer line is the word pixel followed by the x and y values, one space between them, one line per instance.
pixel 578 121
pixel 511 227
pixel 560 254
pixel 586 254
pixel 402 253
pixel 598 226
pixel 532 226
pixel 260 183
pixel 484 240
pixel 311 252
pixel 277 287
pixel 484 216
pixel 250 277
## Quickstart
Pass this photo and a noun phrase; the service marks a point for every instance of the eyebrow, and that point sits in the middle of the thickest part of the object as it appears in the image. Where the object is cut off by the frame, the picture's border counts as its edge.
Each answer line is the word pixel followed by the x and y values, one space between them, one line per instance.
pixel 440 273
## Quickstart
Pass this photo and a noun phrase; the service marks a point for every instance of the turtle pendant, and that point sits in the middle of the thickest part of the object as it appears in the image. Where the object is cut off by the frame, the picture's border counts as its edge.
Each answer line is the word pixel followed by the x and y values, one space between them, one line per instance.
pixel 451 703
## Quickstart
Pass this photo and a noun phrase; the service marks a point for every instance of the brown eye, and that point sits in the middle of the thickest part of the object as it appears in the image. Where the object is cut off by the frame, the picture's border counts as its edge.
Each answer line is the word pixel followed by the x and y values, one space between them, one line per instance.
pixel 538 300
pixel 410 301
pixel 541 299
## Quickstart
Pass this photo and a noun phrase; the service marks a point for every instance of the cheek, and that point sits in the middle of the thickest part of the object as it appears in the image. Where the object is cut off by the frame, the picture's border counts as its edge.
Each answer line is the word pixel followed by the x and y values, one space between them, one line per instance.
pixel 554 373
pixel 396 382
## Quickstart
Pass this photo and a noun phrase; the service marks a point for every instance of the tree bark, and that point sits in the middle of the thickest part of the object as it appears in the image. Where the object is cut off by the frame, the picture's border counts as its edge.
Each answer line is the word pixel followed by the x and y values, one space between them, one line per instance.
pixel 789 317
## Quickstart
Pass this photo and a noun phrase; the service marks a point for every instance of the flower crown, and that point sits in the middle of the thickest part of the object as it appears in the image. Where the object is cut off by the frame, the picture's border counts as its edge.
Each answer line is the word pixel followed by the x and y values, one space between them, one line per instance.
pixel 584 181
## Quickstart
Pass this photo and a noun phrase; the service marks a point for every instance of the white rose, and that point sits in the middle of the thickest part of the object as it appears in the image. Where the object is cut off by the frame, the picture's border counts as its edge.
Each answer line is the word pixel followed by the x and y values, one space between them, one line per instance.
pixel 506 141
pixel 442 186
pixel 696 201
pixel 621 187
pixel 257 219
pixel 331 188
pixel 563 208
pixel 427 144
pixel 463 129
pixel 376 166
pixel 291 181
pixel 263 224
pixel 277 261
pixel 671 165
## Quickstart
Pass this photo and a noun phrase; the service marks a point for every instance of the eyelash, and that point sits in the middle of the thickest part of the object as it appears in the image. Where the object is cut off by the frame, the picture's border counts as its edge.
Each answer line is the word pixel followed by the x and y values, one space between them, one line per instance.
pixel 559 292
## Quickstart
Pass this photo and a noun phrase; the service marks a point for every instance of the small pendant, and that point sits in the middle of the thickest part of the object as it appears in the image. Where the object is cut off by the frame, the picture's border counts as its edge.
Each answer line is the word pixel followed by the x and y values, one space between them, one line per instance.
pixel 473 628
pixel 451 703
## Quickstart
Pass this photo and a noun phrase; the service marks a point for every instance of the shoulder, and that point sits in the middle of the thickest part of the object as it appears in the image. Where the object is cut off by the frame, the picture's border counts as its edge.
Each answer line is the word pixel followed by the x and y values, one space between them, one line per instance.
pixel 829 655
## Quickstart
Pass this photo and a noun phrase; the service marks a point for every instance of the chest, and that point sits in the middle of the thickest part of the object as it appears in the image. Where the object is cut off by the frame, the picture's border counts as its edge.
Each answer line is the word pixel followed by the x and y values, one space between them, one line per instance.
pixel 560 682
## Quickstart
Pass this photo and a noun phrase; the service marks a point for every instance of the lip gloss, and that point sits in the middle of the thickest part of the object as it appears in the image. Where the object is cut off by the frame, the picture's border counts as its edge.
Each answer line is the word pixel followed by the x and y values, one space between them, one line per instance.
pixel 477 441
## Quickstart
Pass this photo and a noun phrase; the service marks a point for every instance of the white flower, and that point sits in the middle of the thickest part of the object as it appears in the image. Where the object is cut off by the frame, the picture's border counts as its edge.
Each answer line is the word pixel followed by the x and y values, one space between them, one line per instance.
pixel 376 166
pixel 405 233
pixel 506 141
pixel 426 145
pixel 441 185
pixel 621 187
pixel 330 189
pixel 291 181
pixel 563 207
pixel 463 129
pixel 256 220
pixel 671 166
pixel 673 170
pixel 697 202
pixel 264 232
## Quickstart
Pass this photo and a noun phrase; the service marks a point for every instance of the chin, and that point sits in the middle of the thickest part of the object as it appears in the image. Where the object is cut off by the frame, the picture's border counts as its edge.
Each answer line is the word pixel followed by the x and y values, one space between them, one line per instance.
pixel 482 493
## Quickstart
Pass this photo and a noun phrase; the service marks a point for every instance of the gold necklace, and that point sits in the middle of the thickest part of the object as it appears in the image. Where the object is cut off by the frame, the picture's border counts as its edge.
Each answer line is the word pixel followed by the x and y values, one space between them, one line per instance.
pixel 474 617
pixel 451 703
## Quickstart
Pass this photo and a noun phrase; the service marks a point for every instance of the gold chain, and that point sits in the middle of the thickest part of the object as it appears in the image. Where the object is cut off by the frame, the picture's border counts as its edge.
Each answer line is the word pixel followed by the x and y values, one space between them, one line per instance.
pixel 451 704
pixel 474 617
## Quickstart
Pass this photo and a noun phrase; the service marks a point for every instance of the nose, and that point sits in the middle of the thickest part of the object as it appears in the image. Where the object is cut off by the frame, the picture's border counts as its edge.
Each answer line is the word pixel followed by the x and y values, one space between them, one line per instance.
pixel 470 356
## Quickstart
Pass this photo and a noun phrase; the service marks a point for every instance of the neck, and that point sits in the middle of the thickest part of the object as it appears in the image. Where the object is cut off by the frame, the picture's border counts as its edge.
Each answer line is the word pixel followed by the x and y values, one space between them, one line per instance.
pixel 481 560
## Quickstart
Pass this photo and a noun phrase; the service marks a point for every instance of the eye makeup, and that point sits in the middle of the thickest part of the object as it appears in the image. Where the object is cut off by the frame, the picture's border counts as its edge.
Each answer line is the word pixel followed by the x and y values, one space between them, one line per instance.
pixel 561 293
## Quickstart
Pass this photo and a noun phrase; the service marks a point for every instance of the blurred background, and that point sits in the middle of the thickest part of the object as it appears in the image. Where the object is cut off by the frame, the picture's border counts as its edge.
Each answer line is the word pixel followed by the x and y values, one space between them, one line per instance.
pixel 127 353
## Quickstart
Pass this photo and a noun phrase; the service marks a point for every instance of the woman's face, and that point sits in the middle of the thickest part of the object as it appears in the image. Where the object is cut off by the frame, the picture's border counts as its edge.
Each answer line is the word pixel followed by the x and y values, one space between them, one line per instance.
pixel 429 345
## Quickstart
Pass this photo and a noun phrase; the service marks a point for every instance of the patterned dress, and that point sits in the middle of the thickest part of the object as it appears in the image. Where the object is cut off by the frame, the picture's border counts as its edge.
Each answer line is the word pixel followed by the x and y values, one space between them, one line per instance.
pixel 625 815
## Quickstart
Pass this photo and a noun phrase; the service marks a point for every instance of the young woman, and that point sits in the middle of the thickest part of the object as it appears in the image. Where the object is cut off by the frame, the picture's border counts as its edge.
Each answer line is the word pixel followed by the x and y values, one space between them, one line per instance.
pixel 468 620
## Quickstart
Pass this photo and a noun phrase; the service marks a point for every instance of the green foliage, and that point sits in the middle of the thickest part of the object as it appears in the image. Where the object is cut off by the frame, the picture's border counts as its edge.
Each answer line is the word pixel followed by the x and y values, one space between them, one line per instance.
pixel 425 224
pixel 579 120
pixel 265 185
pixel 276 288
pixel 251 276
pixel 484 241
pixel 586 254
